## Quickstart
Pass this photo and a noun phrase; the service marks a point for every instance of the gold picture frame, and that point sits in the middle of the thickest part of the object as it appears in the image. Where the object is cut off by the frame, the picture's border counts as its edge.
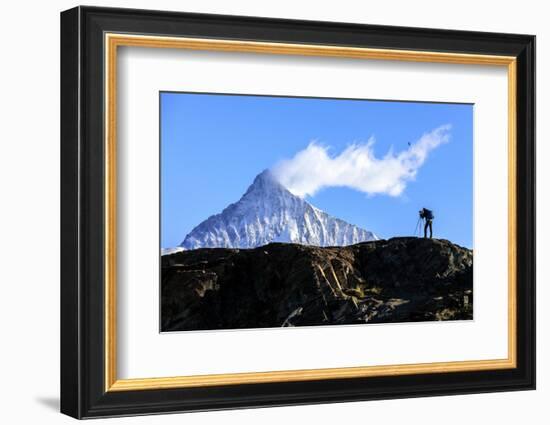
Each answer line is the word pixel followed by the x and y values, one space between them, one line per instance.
pixel 114 41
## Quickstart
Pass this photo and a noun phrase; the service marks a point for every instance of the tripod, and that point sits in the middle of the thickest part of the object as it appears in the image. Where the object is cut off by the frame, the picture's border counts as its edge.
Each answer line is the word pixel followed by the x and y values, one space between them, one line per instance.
pixel 418 227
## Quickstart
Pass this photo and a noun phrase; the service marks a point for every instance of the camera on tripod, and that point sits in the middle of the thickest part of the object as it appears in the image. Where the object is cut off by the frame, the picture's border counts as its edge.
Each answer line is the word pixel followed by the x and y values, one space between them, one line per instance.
pixel 426 214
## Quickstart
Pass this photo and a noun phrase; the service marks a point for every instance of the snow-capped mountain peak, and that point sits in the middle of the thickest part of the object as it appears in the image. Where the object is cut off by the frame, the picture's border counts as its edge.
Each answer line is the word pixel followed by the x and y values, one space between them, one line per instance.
pixel 268 212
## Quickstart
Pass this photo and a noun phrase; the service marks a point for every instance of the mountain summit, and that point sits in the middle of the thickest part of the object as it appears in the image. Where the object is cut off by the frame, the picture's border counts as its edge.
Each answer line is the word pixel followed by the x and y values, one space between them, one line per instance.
pixel 267 213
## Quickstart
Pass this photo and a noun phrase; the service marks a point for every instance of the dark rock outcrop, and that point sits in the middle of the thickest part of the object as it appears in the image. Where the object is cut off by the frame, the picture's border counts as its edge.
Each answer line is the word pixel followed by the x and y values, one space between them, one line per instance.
pixel 395 280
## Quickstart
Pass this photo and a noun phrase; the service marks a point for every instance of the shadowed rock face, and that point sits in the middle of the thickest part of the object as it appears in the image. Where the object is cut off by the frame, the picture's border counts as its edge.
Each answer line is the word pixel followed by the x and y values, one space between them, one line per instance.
pixel 396 280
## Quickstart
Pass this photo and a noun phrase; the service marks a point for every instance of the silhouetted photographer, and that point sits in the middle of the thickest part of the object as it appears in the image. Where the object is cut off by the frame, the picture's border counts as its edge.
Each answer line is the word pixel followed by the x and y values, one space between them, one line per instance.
pixel 428 216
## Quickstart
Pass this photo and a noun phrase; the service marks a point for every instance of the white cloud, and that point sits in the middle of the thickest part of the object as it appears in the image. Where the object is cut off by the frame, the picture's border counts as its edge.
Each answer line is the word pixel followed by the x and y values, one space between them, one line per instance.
pixel 313 169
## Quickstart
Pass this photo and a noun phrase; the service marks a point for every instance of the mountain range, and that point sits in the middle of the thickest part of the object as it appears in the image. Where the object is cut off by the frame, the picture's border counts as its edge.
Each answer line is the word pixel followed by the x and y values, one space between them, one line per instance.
pixel 267 213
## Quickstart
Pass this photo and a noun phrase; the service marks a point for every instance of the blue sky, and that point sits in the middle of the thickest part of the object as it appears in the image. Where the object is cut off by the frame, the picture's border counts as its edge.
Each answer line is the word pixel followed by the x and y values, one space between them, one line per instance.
pixel 212 147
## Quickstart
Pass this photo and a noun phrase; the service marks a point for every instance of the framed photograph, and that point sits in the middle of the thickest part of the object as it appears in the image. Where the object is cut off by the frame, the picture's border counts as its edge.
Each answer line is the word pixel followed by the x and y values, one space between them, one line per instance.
pixel 261 212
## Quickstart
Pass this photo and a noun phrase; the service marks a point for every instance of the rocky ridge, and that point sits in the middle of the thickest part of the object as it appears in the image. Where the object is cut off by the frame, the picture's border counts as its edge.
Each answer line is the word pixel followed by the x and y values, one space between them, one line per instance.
pixel 282 284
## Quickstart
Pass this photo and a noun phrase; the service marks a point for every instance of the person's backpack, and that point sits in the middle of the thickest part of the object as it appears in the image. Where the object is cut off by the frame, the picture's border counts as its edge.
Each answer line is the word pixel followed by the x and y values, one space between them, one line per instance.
pixel 428 214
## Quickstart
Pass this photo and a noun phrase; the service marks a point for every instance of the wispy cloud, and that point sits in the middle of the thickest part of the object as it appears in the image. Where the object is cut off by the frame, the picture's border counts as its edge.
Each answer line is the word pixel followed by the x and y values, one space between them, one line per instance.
pixel 356 167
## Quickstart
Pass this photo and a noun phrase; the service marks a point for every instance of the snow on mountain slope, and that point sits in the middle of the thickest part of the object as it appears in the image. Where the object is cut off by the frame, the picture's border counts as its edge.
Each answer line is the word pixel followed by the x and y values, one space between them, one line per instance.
pixel 169 251
pixel 268 212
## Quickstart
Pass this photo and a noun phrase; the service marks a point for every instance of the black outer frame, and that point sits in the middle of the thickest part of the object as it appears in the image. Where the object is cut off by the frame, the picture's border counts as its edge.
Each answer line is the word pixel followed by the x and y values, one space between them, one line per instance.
pixel 82 219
